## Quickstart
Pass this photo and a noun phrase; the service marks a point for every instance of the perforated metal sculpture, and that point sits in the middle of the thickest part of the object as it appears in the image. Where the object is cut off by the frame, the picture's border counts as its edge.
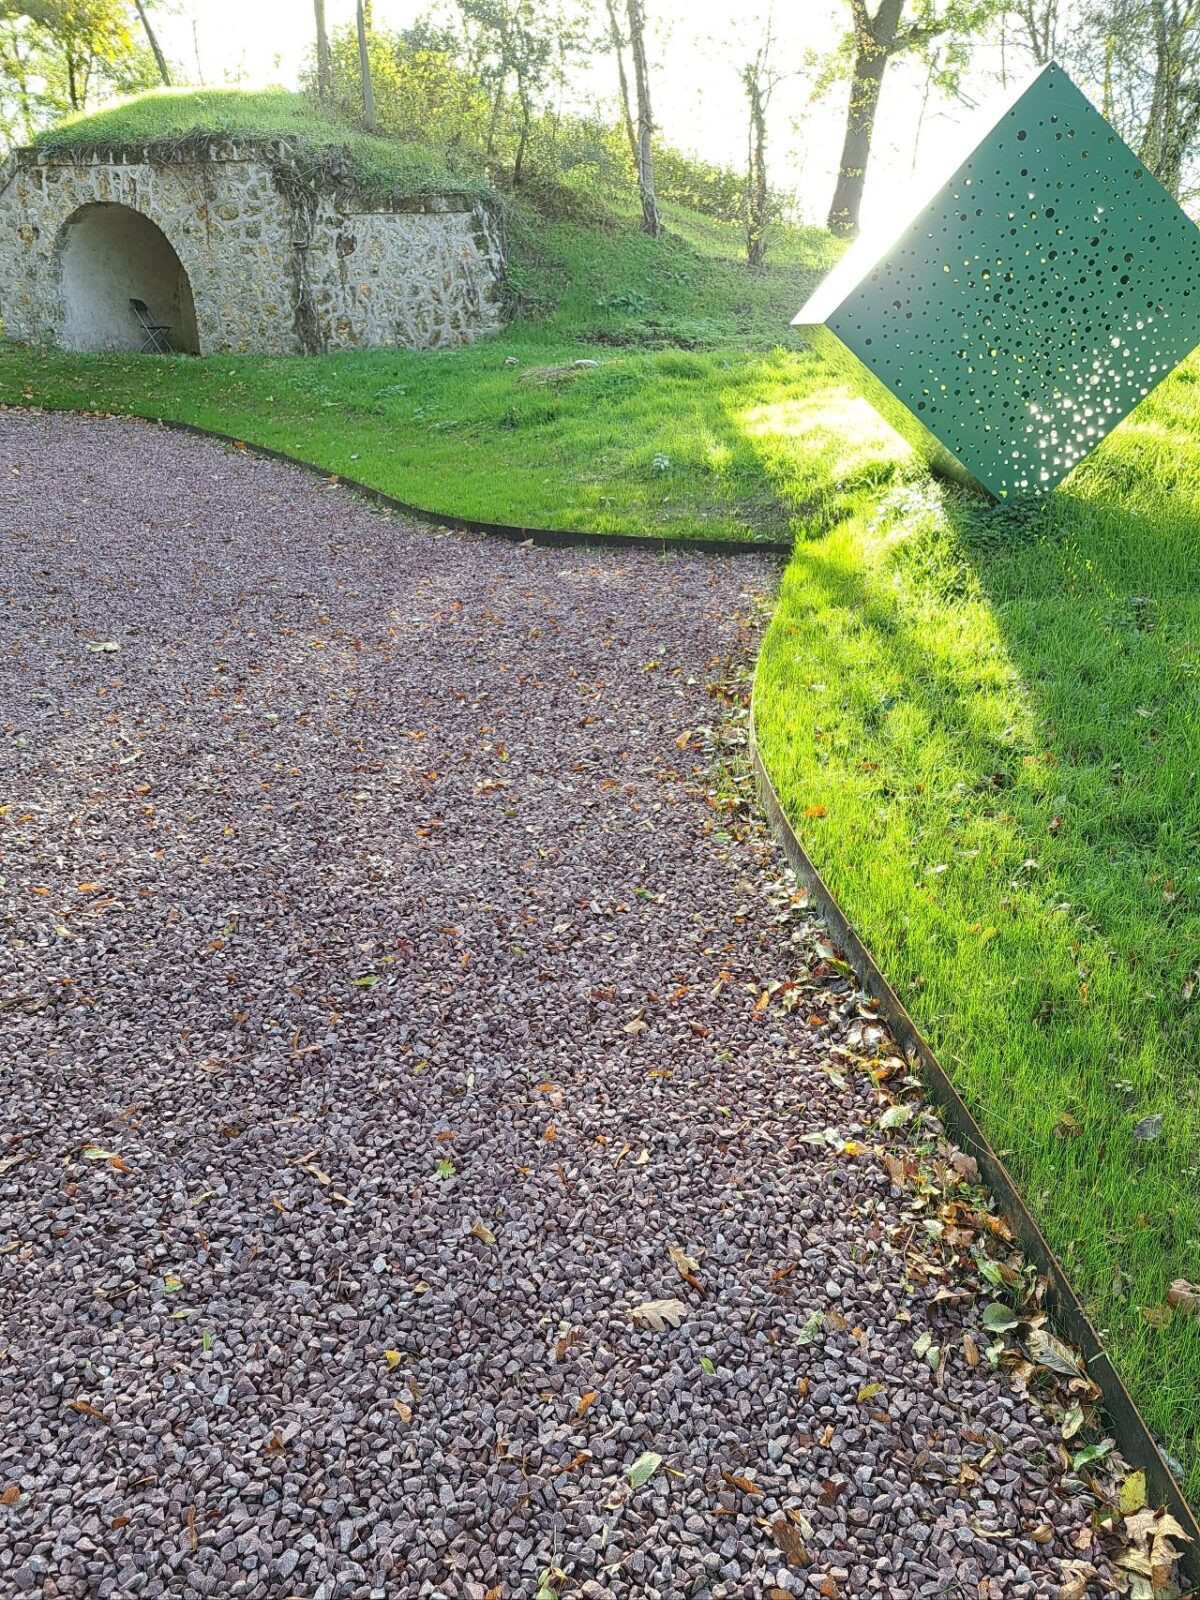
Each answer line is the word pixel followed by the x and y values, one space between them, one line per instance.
pixel 1046 287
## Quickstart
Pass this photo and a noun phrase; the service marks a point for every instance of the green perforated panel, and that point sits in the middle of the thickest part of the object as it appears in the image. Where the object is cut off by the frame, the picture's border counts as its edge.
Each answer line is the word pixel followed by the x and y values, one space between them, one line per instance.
pixel 1046 287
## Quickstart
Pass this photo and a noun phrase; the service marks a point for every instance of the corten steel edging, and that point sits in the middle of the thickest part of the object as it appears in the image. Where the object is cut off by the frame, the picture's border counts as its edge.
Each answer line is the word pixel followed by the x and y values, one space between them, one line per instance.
pixel 559 538
pixel 1134 1439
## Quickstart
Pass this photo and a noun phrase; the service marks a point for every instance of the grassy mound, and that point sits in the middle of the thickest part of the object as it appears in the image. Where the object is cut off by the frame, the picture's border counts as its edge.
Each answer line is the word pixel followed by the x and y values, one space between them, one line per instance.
pixel 381 167
pixel 985 725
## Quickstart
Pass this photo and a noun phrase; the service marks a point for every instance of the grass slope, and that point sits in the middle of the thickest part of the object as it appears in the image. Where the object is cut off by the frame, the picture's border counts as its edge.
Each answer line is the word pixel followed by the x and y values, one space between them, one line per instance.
pixel 985 724
pixel 383 167
pixel 668 433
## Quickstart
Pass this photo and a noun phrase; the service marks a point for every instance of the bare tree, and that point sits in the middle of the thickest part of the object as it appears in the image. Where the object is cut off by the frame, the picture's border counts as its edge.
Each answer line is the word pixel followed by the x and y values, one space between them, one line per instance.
pixel 618 42
pixel 651 221
pixel 759 80
pixel 160 60
pixel 324 60
pixel 1038 21
pixel 364 62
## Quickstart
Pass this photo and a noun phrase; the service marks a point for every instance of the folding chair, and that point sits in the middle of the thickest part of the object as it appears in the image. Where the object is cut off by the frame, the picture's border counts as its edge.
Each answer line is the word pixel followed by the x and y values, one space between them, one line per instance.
pixel 155 332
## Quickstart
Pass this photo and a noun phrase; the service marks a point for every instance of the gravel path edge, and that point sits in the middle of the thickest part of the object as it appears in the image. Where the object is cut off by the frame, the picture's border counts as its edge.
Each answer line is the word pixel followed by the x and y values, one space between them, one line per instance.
pixel 1129 1428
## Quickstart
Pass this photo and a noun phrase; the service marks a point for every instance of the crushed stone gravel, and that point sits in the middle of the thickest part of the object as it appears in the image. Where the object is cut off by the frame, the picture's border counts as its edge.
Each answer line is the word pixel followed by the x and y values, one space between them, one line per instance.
pixel 381 993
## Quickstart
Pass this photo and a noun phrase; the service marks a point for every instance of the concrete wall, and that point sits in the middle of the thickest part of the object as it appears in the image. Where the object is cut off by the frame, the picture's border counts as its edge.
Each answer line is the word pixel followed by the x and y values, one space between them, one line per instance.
pixel 273 264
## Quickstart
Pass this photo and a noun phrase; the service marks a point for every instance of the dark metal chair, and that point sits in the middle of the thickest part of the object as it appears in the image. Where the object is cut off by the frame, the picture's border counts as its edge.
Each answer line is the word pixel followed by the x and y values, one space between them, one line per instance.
pixel 155 332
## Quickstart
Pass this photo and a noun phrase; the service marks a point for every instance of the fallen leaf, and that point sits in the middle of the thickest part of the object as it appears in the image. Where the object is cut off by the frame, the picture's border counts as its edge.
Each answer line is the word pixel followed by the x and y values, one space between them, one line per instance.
pixel 659 1314
pixel 483 1233
pixel 9 1495
pixel 643 1469
pixel 1050 1352
pixel 1133 1494
pixel 1157 1316
pixel 88 1410
pixel 791 1545
pixel 566 1342
pixel 393 1359
pixel 736 1481
pixel 586 1402
pixel 104 647
pixel 402 1411
pixel 684 1264
pixel 1184 1296
pixel 96 1152
pixel 869 1391
pixel 970 1351
pixel 815 811
pixel 896 1116
pixel 999 1318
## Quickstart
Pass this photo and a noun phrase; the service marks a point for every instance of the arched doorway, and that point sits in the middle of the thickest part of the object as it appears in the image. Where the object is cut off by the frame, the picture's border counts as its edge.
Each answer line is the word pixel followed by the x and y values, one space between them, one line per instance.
pixel 110 254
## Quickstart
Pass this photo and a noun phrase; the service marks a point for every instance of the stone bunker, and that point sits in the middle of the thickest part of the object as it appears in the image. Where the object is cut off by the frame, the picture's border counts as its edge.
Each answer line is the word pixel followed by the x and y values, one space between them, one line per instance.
pixel 236 247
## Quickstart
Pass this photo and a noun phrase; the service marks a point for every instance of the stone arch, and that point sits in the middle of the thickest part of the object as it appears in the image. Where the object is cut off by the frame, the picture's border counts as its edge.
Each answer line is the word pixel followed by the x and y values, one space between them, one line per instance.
pixel 109 254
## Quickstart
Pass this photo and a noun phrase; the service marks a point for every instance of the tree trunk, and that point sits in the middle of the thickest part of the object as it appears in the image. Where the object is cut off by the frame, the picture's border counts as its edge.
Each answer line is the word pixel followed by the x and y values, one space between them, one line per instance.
pixel 364 65
pixel 164 71
pixel 874 40
pixel 756 176
pixel 618 44
pixel 523 140
pixel 651 221
pixel 72 86
pixel 324 64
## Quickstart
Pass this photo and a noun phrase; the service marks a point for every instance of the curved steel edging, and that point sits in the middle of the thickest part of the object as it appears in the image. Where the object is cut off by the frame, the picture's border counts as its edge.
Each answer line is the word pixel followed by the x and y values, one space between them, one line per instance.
pixel 1129 1428
pixel 560 538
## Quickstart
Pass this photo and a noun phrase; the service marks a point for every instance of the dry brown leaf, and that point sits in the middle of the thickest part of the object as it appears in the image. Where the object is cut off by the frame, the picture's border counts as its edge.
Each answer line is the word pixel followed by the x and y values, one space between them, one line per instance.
pixel 586 1402
pixel 566 1342
pixel 88 1410
pixel 10 1495
pixel 193 1539
pixel 1184 1296
pixel 684 1263
pixel 402 1411
pixel 659 1314
pixel 791 1546
pixel 970 1351
pixel 483 1233
pixel 736 1481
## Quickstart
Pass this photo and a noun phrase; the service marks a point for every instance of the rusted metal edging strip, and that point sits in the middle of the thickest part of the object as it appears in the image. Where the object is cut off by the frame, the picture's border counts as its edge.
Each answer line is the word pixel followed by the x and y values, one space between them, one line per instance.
pixel 560 538
pixel 1134 1439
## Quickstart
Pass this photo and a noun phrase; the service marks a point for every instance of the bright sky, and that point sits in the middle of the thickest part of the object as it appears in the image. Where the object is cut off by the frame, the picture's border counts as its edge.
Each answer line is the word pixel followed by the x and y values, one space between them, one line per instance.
pixel 698 48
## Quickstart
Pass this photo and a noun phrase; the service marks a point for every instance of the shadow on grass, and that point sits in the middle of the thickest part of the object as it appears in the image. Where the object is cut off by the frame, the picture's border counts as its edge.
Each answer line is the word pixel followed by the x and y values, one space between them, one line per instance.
pixel 998 712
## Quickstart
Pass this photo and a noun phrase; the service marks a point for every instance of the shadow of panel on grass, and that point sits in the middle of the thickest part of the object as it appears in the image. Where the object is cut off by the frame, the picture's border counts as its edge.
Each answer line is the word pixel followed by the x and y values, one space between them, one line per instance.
pixel 1033 300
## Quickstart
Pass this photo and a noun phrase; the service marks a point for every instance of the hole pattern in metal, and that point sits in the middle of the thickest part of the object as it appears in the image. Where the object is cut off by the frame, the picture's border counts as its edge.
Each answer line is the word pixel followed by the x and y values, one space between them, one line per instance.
pixel 1028 307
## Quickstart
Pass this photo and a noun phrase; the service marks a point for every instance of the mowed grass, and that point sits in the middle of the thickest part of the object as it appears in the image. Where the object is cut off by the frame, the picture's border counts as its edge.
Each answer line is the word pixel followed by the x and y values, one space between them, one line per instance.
pixel 662 435
pixel 985 725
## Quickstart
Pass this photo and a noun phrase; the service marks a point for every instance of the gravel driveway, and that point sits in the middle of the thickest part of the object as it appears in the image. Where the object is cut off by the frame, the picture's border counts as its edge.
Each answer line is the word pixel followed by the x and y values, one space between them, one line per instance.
pixel 383 998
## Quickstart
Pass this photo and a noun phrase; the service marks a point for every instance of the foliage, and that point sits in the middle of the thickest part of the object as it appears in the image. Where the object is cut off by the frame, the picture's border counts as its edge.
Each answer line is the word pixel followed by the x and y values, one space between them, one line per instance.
pixel 57 54
pixel 381 166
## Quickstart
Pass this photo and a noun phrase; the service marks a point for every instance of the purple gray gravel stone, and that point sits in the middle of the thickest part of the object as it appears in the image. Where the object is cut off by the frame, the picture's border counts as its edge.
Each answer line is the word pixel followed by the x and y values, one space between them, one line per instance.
pixel 365 903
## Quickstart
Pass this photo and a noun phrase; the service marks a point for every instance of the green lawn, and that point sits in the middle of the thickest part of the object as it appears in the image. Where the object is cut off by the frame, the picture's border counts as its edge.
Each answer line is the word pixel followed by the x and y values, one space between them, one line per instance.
pixel 670 432
pixel 985 724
